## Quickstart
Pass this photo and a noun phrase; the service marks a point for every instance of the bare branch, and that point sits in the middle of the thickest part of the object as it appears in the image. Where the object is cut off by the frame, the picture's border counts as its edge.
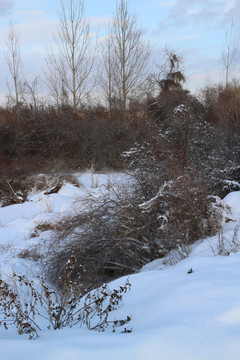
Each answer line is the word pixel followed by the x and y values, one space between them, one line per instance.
pixel 127 56
pixel 13 60
pixel 70 68
pixel 229 52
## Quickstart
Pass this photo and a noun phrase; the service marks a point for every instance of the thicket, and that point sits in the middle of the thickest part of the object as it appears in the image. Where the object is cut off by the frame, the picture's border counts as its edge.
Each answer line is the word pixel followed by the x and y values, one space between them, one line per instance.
pixel 45 137
pixel 180 170
pixel 49 140
pixel 222 107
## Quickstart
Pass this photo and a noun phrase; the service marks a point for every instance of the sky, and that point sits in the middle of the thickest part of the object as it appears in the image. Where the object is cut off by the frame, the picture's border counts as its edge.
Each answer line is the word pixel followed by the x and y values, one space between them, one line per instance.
pixel 194 28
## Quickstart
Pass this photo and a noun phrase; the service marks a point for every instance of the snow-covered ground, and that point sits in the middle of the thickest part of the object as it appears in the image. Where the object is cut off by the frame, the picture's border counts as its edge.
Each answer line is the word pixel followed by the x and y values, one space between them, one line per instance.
pixel 176 315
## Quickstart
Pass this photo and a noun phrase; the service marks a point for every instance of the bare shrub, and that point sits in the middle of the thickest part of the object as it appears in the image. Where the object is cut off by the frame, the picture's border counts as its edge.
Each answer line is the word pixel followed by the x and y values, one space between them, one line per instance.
pixel 11 191
pixel 183 211
pixel 179 253
pixel 222 106
pixel 110 235
pixel 47 138
pixel 24 302
pixel 15 187
pixel 117 233
pixel 226 245
pixel 44 226
pixel 40 227
pixel 31 253
pixel 48 181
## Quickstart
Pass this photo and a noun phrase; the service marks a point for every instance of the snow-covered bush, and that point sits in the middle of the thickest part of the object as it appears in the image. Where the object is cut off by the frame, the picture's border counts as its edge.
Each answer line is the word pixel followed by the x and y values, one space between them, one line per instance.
pixel 174 173
pixel 120 230
pixel 111 236
pixel 183 212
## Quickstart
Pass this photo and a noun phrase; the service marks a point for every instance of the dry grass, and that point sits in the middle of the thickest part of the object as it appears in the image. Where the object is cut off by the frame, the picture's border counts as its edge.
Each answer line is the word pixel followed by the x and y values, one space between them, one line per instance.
pixel 30 254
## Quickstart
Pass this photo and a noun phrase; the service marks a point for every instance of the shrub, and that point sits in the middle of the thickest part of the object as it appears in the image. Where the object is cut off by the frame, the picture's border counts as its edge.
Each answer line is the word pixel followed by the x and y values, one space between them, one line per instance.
pixel 15 187
pixel 175 173
pixel 119 231
pixel 24 303
pixel 110 237
pixel 183 212
pixel 222 104
pixel 47 137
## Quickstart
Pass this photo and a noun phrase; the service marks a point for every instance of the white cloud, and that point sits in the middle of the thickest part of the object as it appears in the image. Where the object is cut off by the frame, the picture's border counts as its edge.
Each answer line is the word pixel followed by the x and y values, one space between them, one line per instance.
pixel 206 12
pixel 167 3
pixel 5 6
pixel 37 31
pixel 229 5
pixel 232 11
pixel 99 21
pixel 187 37
pixel 37 28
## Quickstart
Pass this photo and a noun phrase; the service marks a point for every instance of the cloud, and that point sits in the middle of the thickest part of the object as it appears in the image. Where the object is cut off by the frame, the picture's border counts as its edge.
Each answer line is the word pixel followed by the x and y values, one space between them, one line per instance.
pixel 209 13
pixel 101 22
pixel 186 37
pixel 232 11
pixel 231 317
pixel 202 67
pixel 5 6
pixel 166 3
pixel 37 31
pixel 37 28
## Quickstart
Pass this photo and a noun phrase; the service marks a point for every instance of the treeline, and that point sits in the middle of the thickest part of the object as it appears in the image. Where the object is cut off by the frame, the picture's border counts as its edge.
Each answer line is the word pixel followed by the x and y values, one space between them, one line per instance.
pixel 200 133
pixel 48 138
pixel 91 112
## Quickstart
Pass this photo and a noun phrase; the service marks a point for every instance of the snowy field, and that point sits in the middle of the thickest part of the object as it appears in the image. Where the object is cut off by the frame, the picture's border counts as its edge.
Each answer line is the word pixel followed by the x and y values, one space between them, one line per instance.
pixel 176 314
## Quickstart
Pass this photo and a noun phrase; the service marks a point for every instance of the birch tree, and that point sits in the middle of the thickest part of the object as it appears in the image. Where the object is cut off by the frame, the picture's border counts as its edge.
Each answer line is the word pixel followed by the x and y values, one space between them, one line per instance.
pixel 70 66
pixel 13 59
pixel 129 55
pixel 107 83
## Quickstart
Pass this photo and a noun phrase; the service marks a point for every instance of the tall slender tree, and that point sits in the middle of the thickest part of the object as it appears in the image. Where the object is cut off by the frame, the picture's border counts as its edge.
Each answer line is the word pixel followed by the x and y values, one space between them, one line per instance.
pixel 71 65
pixel 107 83
pixel 229 52
pixel 129 55
pixel 13 59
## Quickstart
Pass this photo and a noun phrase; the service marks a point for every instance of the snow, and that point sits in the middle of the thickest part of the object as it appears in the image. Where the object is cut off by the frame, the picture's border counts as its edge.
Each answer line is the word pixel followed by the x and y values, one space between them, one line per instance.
pixel 233 201
pixel 174 315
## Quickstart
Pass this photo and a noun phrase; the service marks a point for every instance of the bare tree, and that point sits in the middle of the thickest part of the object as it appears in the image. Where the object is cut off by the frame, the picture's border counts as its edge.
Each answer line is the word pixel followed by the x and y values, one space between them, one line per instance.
pixel 129 55
pixel 31 93
pixel 107 81
pixel 229 52
pixel 13 59
pixel 70 68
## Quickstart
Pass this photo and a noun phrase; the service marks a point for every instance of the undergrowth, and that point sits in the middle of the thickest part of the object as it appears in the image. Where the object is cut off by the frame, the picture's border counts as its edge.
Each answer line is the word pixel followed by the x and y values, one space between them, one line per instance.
pixel 24 304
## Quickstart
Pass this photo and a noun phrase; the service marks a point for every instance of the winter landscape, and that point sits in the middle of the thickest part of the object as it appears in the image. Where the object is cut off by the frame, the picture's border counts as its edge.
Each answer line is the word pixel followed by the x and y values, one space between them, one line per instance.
pixel 120 180
pixel 175 313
